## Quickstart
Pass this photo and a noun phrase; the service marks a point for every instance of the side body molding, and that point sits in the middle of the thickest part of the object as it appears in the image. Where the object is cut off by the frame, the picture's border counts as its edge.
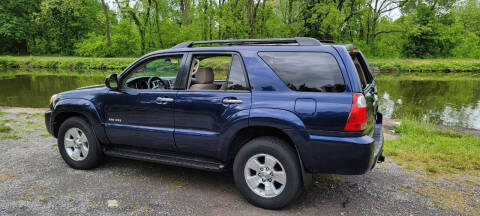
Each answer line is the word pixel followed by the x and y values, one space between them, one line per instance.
pixel 85 108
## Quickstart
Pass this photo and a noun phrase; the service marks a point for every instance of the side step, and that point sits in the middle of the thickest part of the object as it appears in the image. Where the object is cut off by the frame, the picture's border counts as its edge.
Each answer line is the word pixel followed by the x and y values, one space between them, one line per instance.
pixel 167 158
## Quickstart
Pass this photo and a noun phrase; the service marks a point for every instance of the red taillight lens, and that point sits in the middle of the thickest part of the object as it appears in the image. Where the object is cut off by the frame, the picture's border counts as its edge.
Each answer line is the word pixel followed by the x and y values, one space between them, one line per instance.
pixel 358 114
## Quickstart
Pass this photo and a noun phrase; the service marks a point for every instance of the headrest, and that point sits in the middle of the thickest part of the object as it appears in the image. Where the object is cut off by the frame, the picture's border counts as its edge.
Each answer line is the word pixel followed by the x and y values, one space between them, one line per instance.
pixel 204 75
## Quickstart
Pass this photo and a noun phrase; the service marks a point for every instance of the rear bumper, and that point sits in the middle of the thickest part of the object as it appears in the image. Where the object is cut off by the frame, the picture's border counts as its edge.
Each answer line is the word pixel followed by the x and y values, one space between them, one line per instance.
pixel 48 122
pixel 344 155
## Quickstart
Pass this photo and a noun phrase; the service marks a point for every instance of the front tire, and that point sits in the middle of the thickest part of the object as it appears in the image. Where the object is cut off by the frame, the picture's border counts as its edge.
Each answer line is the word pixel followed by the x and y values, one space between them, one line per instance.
pixel 78 144
pixel 267 172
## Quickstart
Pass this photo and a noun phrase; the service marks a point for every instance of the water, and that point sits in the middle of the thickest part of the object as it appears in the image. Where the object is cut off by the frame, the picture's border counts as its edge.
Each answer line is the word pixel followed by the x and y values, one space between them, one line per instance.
pixel 452 103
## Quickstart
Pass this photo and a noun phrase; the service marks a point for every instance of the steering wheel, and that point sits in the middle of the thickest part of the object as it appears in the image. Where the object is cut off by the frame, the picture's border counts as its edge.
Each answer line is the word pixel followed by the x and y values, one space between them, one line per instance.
pixel 157 83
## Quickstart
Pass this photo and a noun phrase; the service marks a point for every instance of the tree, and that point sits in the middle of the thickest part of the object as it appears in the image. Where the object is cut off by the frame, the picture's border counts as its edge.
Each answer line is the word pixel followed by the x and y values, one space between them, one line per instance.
pixel 64 22
pixel 17 29
pixel 140 14
pixel 105 10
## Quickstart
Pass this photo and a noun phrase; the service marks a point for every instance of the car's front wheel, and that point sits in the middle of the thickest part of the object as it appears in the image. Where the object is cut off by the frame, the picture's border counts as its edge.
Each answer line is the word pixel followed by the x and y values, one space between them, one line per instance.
pixel 78 145
pixel 267 172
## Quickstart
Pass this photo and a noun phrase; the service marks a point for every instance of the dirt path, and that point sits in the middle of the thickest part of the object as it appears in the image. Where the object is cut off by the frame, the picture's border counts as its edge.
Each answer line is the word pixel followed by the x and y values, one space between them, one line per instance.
pixel 35 180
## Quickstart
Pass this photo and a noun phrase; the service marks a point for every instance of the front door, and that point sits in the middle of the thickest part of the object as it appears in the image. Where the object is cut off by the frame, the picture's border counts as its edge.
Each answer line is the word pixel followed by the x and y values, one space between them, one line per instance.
pixel 140 113
pixel 215 96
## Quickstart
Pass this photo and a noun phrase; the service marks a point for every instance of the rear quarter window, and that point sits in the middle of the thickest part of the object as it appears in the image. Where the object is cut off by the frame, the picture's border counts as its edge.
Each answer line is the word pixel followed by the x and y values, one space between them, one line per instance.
pixel 306 71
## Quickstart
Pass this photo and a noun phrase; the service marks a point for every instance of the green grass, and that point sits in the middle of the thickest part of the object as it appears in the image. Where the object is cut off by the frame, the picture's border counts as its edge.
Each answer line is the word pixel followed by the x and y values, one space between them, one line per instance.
pixel 422 146
pixel 5 129
pixel 428 76
pixel 425 65
pixel 64 62
pixel 9 136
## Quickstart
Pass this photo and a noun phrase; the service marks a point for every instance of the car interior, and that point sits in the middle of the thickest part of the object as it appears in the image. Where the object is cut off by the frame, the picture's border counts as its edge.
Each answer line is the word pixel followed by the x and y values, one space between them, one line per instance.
pixel 156 74
pixel 204 77
pixel 207 72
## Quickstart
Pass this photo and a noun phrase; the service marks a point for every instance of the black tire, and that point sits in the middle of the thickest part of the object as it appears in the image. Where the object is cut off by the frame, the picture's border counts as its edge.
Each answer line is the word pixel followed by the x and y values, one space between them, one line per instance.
pixel 95 155
pixel 286 155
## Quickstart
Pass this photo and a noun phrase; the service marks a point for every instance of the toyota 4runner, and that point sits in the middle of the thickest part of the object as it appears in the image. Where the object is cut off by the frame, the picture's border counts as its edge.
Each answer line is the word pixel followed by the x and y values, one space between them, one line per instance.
pixel 273 111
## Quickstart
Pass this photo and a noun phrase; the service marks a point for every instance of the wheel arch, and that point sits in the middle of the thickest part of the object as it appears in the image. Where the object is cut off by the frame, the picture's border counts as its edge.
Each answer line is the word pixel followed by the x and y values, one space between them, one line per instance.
pixel 83 108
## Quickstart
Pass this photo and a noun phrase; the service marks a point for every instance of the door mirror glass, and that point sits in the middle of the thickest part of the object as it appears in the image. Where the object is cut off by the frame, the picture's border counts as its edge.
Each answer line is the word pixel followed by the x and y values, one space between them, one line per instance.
pixel 112 81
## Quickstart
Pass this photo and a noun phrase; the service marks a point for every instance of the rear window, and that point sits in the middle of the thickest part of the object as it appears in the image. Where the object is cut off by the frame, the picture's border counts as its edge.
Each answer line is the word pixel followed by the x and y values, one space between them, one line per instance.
pixel 306 71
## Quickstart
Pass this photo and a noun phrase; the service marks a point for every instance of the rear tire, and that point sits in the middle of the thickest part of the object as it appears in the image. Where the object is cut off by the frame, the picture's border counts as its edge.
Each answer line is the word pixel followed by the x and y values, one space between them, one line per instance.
pixel 267 172
pixel 78 144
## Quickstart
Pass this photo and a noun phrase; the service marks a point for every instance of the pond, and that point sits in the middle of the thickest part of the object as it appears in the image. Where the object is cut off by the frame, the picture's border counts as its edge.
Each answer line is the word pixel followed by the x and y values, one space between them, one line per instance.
pixel 451 103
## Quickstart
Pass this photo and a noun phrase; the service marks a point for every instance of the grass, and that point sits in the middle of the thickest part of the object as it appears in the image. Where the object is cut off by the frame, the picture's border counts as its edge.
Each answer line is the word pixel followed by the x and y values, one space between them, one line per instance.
pixel 5 130
pixel 67 62
pixel 422 146
pixel 64 62
pixel 425 65
pixel 428 76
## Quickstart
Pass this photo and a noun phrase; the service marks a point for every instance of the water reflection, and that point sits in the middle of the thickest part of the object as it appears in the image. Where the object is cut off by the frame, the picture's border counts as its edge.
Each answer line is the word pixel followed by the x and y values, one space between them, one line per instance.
pixel 35 90
pixel 452 103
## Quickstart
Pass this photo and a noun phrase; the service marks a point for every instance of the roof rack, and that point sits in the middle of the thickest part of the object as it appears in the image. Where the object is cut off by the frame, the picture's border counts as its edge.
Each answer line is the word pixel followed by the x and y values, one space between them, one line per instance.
pixel 300 41
pixel 327 41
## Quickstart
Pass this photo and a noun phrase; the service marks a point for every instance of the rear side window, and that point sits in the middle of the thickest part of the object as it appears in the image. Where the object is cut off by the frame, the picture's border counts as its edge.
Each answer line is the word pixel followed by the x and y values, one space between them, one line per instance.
pixel 236 79
pixel 362 69
pixel 306 71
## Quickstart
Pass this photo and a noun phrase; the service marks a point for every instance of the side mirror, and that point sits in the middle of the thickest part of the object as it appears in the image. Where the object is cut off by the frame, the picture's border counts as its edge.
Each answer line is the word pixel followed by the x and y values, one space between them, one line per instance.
pixel 112 81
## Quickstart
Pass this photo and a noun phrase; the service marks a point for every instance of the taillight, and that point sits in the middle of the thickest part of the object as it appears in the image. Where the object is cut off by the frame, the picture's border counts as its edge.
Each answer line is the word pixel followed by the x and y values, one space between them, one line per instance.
pixel 358 114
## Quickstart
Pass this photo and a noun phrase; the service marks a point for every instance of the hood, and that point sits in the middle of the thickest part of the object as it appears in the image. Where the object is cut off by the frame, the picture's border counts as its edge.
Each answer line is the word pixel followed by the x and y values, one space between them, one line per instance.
pixel 92 86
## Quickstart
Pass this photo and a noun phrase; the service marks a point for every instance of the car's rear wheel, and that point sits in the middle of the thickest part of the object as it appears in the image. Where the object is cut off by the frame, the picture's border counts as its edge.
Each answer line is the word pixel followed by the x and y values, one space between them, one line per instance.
pixel 78 145
pixel 267 172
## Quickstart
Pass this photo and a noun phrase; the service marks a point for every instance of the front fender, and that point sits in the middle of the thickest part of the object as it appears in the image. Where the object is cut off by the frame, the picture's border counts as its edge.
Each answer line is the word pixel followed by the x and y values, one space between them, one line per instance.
pixel 85 108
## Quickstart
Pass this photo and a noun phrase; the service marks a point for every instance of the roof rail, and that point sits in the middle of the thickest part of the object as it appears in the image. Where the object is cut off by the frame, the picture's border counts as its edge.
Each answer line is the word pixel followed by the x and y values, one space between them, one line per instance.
pixel 301 41
pixel 327 41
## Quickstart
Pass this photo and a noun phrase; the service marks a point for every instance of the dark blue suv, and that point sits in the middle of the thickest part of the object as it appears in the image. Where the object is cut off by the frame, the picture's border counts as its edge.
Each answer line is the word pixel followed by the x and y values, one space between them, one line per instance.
pixel 272 110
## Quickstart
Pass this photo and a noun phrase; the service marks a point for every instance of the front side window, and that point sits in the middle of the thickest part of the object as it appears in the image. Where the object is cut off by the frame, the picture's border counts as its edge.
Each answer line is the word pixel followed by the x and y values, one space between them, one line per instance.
pixel 306 71
pixel 159 73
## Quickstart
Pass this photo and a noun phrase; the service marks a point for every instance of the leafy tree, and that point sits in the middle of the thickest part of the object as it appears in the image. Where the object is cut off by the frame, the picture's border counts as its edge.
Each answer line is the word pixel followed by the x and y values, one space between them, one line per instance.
pixel 124 42
pixel 420 28
pixel 17 29
pixel 64 22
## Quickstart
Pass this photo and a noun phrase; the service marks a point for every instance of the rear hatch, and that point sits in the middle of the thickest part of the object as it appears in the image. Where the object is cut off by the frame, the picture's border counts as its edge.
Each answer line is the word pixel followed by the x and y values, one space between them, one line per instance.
pixel 369 88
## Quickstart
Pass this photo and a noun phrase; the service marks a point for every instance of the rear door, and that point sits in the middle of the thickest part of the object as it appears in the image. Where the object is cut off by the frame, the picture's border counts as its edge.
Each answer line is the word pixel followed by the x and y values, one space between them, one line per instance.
pixel 369 87
pixel 202 117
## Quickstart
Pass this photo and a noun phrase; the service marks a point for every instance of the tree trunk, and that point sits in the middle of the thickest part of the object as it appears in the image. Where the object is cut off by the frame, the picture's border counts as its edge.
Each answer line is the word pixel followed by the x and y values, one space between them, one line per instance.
pixel 184 7
pixel 157 22
pixel 105 10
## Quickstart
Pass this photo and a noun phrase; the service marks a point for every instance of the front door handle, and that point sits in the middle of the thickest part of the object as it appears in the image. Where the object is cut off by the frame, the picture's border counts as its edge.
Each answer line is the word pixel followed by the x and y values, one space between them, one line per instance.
pixel 232 101
pixel 164 99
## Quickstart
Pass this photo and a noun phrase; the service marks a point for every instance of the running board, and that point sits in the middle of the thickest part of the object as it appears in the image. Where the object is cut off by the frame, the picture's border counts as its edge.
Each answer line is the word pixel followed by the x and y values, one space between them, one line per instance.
pixel 167 158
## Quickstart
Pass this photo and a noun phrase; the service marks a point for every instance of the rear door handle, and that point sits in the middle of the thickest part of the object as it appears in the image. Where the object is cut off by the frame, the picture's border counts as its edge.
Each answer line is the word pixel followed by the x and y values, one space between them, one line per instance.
pixel 232 101
pixel 164 99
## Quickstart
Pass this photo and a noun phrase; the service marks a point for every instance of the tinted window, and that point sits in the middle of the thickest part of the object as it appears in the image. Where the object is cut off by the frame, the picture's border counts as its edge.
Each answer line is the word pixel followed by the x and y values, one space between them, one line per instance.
pixel 306 71
pixel 236 78
pixel 362 69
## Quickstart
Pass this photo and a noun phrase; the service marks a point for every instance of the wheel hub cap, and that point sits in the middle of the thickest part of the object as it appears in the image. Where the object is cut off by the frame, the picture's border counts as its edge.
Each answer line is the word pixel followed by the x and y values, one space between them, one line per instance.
pixel 76 144
pixel 265 175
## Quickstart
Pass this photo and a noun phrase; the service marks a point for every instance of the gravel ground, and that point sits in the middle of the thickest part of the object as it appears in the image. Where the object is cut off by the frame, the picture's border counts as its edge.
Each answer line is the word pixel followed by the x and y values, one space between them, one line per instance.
pixel 35 180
